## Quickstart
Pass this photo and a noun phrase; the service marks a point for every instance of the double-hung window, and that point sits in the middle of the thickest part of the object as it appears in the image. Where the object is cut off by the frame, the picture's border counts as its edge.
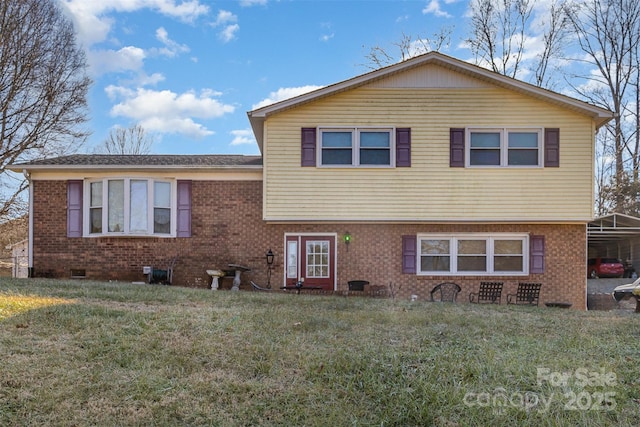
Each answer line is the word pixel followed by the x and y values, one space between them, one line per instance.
pixel 473 254
pixel 508 147
pixel 364 147
pixel 130 206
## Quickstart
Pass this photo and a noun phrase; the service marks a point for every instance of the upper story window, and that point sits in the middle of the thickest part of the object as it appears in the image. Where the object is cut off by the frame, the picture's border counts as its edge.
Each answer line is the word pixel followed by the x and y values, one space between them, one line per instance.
pixel 367 147
pixel 504 147
pixel 128 206
pixel 473 254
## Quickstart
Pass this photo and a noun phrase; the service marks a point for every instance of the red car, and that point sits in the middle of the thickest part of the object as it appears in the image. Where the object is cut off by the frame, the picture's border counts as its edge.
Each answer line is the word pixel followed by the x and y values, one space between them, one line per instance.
pixel 604 267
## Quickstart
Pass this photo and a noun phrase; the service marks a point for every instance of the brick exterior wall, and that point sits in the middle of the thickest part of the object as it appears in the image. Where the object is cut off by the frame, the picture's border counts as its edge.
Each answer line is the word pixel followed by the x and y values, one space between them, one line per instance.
pixel 227 227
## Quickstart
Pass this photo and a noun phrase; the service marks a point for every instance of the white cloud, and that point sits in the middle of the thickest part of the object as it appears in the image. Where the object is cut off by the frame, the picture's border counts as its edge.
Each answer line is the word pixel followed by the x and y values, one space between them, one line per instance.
pixel 284 93
pixel 229 32
pixel 249 3
pixel 228 22
pixel 435 8
pixel 153 79
pixel 171 48
pixel 327 37
pixel 129 58
pixel 166 111
pixel 224 17
pixel 93 24
pixel 242 137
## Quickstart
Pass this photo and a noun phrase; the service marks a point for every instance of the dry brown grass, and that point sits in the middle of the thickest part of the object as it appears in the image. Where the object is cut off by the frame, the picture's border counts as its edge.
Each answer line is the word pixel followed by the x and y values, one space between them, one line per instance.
pixel 83 353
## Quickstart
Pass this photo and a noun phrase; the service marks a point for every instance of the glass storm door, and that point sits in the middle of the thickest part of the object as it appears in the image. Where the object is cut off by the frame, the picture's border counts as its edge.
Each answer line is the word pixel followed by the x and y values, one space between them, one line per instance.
pixel 311 258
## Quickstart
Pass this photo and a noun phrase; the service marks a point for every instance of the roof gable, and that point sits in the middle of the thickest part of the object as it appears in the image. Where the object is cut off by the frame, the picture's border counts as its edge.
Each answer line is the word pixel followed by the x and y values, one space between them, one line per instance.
pixel 432 69
pixel 430 75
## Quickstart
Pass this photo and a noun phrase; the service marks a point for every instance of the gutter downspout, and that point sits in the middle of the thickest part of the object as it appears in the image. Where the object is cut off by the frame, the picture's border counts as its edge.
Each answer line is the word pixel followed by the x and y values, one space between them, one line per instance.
pixel 27 176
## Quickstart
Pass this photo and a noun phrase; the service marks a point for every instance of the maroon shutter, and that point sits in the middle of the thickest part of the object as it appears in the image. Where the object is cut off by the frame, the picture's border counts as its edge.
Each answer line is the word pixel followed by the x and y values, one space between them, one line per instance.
pixel 456 147
pixel 403 147
pixel 74 208
pixel 409 244
pixel 536 254
pixel 308 155
pixel 552 148
pixel 184 209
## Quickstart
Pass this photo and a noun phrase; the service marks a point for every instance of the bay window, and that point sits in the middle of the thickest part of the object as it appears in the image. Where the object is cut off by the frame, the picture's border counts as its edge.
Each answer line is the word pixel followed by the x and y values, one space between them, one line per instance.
pixel 130 207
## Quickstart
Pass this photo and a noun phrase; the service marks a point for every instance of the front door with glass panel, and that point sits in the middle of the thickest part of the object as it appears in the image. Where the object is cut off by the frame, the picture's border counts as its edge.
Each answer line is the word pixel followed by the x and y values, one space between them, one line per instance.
pixel 312 258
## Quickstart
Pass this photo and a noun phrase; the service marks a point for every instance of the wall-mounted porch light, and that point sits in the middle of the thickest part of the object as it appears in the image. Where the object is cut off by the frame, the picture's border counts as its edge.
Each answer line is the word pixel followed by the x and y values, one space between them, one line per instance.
pixel 347 239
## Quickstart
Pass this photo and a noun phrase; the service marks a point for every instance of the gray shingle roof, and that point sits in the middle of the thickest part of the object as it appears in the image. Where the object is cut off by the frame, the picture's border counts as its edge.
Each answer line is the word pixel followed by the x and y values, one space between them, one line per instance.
pixel 146 160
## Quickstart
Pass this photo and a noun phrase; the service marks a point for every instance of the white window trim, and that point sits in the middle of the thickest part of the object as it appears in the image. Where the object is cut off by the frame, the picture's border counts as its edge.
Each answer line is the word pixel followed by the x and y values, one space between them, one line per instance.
pixel 86 202
pixel 490 253
pixel 504 145
pixel 298 237
pixel 355 149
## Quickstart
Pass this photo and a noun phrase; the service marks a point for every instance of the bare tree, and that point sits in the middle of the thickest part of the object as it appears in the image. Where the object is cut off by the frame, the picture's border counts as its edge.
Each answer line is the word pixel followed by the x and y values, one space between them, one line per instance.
pixel 43 88
pixel 498 31
pixel 131 140
pixel 608 33
pixel 555 34
pixel 633 145
pixel 408 47
pixel 501 29
pixel 604 171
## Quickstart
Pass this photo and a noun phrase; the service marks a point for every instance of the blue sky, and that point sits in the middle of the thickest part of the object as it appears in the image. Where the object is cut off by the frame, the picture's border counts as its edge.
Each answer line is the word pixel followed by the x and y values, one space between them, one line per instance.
pixel 189 70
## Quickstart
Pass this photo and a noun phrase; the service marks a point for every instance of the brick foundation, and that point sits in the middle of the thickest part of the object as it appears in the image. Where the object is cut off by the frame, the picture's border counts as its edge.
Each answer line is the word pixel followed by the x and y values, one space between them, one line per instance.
pixel 227 227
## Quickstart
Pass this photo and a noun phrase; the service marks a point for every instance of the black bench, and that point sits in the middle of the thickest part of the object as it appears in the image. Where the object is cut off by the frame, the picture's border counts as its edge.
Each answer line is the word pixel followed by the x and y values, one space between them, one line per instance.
pixel 489 292
pixel 527 293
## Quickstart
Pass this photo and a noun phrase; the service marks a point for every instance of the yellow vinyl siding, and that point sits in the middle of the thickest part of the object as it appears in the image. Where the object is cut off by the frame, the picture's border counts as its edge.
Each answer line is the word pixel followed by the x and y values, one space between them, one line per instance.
pixel 429 189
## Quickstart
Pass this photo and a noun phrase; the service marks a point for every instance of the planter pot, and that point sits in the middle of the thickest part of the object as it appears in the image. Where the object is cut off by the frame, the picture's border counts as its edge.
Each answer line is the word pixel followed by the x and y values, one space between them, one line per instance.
pixel 357 285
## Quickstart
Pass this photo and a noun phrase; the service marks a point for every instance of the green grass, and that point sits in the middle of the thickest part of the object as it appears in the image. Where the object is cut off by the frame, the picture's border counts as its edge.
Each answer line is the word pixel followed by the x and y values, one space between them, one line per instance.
pixel 89 353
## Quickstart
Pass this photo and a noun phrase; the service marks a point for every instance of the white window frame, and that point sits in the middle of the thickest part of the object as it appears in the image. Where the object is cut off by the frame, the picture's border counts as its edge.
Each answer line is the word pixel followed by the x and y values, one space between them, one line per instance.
pixel 355 145
pixel 504 145
pixel 126 232
pixel 453 253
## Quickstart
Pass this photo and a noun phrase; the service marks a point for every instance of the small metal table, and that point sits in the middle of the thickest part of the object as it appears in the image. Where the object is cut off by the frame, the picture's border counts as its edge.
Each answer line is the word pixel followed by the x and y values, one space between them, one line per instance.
pixel 239 269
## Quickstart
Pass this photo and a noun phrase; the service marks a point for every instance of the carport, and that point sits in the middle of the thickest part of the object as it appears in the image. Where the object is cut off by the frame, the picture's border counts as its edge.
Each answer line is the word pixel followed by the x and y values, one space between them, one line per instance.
pixel 615 235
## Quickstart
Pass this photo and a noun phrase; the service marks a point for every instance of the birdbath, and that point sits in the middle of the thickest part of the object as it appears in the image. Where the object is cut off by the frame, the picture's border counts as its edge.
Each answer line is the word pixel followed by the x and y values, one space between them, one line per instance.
pixel 215 275
pixel 236 280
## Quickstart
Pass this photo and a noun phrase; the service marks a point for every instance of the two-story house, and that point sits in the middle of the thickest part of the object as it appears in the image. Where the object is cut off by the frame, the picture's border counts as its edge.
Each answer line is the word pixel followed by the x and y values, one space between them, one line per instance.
pixel 425 171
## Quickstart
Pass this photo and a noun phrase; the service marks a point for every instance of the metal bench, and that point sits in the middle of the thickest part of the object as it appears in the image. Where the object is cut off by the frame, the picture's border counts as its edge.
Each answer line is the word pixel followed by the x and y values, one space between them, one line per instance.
pixel 527 293
pixel 489 292
pixel 445 292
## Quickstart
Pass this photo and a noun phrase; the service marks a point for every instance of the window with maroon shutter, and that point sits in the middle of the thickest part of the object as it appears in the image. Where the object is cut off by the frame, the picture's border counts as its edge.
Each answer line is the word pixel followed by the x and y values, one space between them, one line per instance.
pixel 403 147
pixel 184 209
pixel 136 207
pixel 308 147
pixel 409 254
pixel 536 254
pixel 74 208
pixel 456 147
pixel 552 148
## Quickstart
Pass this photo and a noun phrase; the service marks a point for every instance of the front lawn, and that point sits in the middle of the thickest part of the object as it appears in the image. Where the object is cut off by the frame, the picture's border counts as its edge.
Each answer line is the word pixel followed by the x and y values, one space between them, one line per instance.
pixel 92 353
